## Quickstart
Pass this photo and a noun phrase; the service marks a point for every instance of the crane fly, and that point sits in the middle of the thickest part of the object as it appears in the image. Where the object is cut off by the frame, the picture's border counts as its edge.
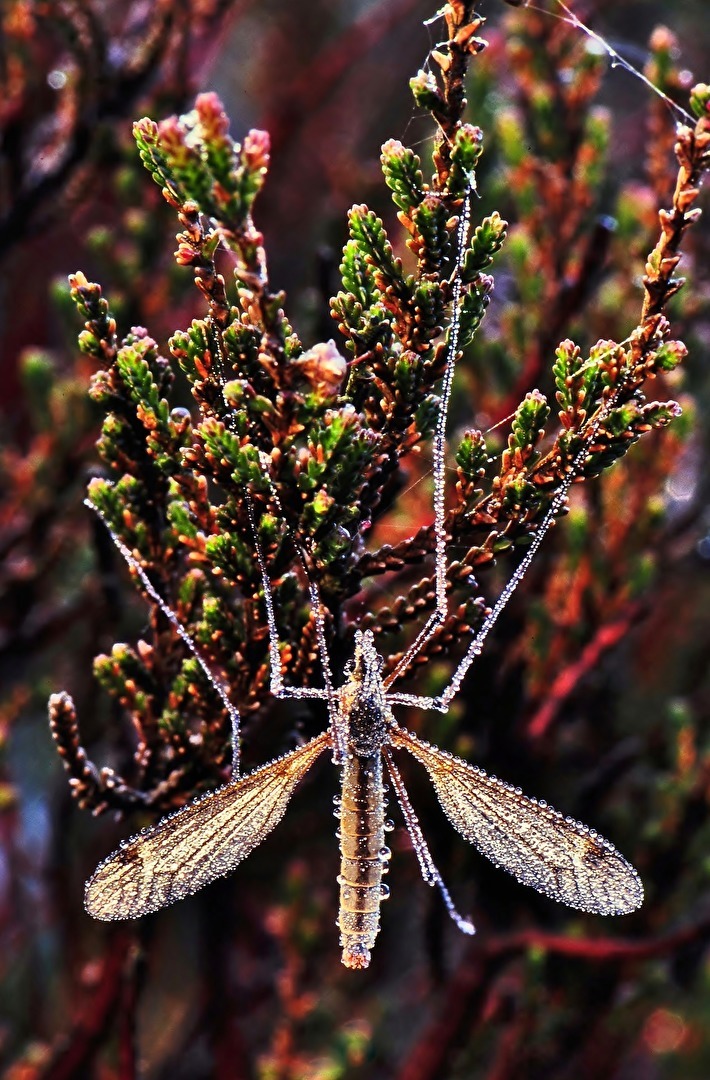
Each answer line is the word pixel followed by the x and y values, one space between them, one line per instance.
pixel 210 836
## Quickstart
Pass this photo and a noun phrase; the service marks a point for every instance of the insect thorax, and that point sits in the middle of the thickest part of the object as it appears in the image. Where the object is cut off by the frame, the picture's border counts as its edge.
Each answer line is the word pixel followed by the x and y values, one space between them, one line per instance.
pixel 364 712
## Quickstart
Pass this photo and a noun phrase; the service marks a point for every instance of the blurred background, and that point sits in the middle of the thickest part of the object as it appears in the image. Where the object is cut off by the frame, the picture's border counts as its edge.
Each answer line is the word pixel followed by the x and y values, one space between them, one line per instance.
pixel 594 693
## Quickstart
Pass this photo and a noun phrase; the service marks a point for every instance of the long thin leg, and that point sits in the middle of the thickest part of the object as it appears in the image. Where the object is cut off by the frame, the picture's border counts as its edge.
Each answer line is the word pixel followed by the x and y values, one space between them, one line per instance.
pixel 278 688
pixel 441 608
pixel 429 871
pixel 277 684
pixel 150 591
pixel 338 723
pixel 443 701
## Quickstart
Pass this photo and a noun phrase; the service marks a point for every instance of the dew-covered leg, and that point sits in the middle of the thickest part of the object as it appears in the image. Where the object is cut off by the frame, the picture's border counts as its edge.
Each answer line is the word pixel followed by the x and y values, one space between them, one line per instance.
pixel 429 871
pixel 441 608
pixel 476 646
pixel 442 702
pixel 152 592
pixel 328 694
pixel 278 688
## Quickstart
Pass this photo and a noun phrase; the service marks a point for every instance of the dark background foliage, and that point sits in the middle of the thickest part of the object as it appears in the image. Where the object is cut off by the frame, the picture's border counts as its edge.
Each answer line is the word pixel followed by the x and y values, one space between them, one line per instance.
pixel 594 691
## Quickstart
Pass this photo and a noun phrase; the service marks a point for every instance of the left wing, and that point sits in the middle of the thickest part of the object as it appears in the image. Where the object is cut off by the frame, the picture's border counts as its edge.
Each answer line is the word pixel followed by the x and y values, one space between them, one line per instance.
pixel 540 847
pixel 202 841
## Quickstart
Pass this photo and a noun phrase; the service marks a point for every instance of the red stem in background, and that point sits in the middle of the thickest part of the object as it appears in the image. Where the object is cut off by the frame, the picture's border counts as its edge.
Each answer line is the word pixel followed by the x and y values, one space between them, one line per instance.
pixel 564 686
pixel 73 1053
pixel 464 998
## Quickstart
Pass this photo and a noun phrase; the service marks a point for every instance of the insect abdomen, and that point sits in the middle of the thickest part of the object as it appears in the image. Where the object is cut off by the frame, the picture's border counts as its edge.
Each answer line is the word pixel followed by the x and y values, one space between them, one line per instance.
pixel 362 858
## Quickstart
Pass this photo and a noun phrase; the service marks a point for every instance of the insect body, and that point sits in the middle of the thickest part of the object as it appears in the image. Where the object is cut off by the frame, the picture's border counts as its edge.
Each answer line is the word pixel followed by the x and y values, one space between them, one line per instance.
pixel 363 853
pixel 210 836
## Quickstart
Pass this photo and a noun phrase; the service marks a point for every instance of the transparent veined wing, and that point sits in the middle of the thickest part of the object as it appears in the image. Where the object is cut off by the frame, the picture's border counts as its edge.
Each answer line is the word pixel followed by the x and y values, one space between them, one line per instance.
pixel 198 843
pixel 536 844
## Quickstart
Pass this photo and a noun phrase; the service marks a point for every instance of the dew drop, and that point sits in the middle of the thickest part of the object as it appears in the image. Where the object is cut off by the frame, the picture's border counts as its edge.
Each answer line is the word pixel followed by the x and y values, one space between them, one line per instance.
pixel 388 825
pixel 384 891
pixel 385 854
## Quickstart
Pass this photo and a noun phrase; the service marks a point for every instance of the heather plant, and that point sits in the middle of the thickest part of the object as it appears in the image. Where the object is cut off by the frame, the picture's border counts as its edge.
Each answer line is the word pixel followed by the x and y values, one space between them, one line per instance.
pixel 333 430
pixel 345 426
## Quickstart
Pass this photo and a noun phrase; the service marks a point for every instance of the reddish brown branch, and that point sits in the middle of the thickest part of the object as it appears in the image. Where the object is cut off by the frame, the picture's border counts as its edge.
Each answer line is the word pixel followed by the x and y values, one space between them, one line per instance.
pixel 692 150
pixel 462 1002
pixel 564 686
pixel 72 1053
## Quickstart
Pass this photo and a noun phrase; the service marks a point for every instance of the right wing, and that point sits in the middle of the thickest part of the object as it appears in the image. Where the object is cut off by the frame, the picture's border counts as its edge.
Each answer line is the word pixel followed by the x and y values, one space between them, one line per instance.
pixel 540 847
pixel 202 841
